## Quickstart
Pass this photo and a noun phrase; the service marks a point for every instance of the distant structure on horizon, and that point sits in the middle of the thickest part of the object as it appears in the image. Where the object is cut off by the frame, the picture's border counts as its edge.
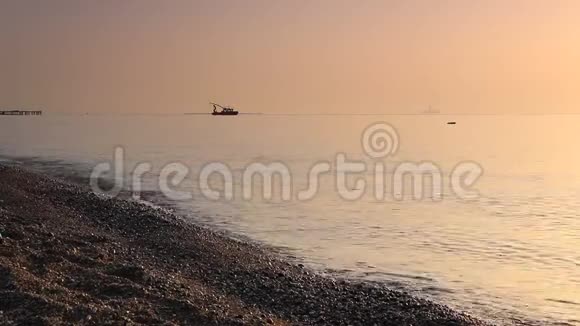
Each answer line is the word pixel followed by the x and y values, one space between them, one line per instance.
pixel 20 112
pixel 430 110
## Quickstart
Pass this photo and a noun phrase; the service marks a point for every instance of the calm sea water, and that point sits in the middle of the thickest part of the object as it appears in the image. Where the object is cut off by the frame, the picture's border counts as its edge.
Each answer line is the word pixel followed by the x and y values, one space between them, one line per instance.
pixel 511 253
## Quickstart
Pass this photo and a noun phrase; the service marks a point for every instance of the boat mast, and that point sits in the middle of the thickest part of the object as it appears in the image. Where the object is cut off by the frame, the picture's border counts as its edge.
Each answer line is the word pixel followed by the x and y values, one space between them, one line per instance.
pixel 215 106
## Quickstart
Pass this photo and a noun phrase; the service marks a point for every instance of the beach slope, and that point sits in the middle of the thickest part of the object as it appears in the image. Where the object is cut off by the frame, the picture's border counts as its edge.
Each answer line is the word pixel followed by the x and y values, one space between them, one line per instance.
pixel 70 256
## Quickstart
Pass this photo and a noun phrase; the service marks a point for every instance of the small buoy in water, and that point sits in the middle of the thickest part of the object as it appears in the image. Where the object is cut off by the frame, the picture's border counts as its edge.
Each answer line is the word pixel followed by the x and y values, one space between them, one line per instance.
pixel 451 122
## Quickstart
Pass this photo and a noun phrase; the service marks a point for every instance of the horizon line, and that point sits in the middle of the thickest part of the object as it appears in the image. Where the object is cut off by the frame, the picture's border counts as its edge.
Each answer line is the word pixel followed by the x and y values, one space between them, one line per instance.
pixel 320 113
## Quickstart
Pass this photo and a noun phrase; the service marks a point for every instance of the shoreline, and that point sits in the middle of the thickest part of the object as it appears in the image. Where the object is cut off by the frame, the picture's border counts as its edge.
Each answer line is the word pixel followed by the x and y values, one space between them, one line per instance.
pixel 70 256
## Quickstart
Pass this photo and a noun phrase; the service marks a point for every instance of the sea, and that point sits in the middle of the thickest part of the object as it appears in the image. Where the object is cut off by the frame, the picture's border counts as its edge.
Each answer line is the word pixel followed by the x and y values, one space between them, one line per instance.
pixel 482 215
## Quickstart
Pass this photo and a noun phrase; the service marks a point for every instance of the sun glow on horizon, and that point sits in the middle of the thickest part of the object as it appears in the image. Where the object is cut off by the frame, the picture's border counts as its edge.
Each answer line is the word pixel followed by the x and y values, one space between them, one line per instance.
pixel 294 56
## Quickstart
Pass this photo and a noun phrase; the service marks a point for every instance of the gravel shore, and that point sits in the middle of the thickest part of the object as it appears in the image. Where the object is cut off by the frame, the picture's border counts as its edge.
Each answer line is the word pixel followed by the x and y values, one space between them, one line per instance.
pixel 69 256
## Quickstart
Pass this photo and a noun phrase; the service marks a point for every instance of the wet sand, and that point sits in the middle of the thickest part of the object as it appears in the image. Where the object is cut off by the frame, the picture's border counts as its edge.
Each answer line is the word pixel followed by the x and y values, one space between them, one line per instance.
pixel 70 256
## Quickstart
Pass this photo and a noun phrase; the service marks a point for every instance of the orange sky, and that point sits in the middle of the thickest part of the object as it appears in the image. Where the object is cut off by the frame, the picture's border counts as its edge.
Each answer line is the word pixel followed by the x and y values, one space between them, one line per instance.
pixel 399 56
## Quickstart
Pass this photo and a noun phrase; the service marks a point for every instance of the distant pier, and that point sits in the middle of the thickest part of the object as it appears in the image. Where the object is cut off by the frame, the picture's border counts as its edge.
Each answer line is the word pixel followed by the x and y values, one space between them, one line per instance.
pixel 20 112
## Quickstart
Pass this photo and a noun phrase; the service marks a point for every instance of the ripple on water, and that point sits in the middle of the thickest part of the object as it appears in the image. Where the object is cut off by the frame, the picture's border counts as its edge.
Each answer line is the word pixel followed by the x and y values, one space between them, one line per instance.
pixel 566 302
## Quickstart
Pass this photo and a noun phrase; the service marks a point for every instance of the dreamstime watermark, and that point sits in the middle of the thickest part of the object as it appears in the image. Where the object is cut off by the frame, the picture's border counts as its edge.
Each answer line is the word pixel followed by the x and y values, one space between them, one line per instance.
pixel 415 180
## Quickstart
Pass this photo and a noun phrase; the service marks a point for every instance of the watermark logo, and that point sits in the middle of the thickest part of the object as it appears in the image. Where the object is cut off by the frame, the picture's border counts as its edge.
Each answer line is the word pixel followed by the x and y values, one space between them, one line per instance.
pixel 380 140
pixel 378 176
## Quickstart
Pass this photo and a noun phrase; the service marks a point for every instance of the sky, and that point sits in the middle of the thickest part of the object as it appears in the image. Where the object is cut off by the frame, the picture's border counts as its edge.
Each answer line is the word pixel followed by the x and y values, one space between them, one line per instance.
pixel 294 56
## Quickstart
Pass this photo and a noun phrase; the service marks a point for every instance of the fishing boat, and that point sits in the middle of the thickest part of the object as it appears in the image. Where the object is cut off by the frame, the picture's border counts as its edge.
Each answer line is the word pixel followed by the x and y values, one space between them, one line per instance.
pixel 222 110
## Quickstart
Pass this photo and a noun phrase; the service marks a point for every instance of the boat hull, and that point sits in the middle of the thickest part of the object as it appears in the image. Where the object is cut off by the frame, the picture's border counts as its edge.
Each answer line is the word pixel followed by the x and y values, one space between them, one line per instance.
pixel 225 113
